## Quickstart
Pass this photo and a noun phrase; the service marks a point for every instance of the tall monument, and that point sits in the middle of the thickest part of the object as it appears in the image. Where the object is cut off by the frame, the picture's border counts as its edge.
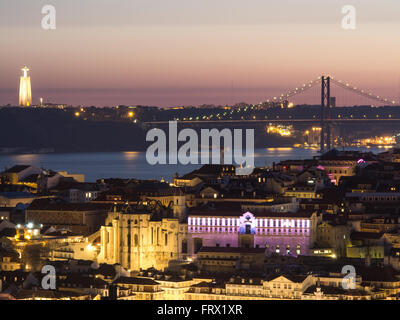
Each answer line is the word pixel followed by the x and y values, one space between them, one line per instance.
pixel 25 91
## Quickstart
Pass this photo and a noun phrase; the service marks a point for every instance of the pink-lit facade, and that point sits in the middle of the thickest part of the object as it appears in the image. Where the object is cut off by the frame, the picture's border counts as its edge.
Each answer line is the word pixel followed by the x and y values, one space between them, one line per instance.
pixel 283 233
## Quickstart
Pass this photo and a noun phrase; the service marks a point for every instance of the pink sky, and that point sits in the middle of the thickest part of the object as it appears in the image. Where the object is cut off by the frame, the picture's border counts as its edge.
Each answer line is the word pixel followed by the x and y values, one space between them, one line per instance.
pixel 151 53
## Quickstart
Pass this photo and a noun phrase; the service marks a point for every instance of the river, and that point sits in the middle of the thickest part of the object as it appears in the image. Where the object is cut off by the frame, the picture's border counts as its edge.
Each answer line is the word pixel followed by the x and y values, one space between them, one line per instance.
pixel 134 165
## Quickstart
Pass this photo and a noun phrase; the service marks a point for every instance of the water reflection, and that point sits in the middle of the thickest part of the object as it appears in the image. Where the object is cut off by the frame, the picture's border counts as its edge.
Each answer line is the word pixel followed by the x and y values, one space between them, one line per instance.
pixel 130 155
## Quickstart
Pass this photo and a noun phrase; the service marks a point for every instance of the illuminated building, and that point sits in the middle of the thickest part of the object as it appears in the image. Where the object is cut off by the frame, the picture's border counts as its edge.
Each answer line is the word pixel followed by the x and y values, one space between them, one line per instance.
pixel 27 232
pixel 275 287
pixel 218 259
pixel 284 131
pixel 313 136
pixel 25 91
pixel 366 245
pixel 292 287
pixel 79 218
pixel 63 245
pixel 9 261
pixel 174 287
pixel 285 233
pixel 18 173
pixel 332 239
pixel 141 288
pixel 337 164
pixel 139 239
pixel 34 178
pixel 303 192
pixel 377 141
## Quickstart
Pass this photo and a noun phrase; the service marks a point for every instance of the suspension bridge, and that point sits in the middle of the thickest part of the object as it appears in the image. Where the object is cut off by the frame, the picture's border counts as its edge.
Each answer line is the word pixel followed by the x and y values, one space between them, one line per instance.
pixel 324 118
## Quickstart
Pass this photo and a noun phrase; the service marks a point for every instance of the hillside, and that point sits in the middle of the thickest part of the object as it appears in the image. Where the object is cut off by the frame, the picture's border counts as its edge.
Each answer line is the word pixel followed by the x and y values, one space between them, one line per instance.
pixel 33 129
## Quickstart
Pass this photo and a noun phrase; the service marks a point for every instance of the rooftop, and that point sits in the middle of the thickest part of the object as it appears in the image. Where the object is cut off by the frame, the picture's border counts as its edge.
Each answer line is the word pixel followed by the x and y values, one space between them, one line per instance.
pixel 16 194
pixel 232 250
pixel 57 204
pixel 135 280
pixel 16 169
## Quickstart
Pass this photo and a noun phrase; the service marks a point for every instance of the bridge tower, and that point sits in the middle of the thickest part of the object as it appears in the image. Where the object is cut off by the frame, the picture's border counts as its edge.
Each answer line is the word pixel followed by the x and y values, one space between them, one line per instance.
pixel 325 113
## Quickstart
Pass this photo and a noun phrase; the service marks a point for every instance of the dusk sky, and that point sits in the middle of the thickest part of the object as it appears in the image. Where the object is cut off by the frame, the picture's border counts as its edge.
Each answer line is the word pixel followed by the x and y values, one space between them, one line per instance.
pixel 182 52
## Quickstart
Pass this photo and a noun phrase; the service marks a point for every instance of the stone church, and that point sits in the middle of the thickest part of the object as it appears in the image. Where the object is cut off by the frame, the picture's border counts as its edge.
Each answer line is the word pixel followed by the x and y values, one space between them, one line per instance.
pixel 145 235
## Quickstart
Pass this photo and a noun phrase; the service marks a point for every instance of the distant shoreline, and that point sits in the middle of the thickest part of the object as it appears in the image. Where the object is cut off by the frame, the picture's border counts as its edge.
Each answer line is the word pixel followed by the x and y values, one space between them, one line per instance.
pixel 22 151
pixel 35 152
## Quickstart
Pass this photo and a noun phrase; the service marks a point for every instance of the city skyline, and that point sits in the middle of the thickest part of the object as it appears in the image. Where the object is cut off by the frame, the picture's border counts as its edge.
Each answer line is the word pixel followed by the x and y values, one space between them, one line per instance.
pixel 202 156
pixel 190 54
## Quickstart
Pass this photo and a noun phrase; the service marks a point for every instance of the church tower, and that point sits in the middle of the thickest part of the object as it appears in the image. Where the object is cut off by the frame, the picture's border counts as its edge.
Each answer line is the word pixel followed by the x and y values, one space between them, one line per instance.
pixel 179 206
